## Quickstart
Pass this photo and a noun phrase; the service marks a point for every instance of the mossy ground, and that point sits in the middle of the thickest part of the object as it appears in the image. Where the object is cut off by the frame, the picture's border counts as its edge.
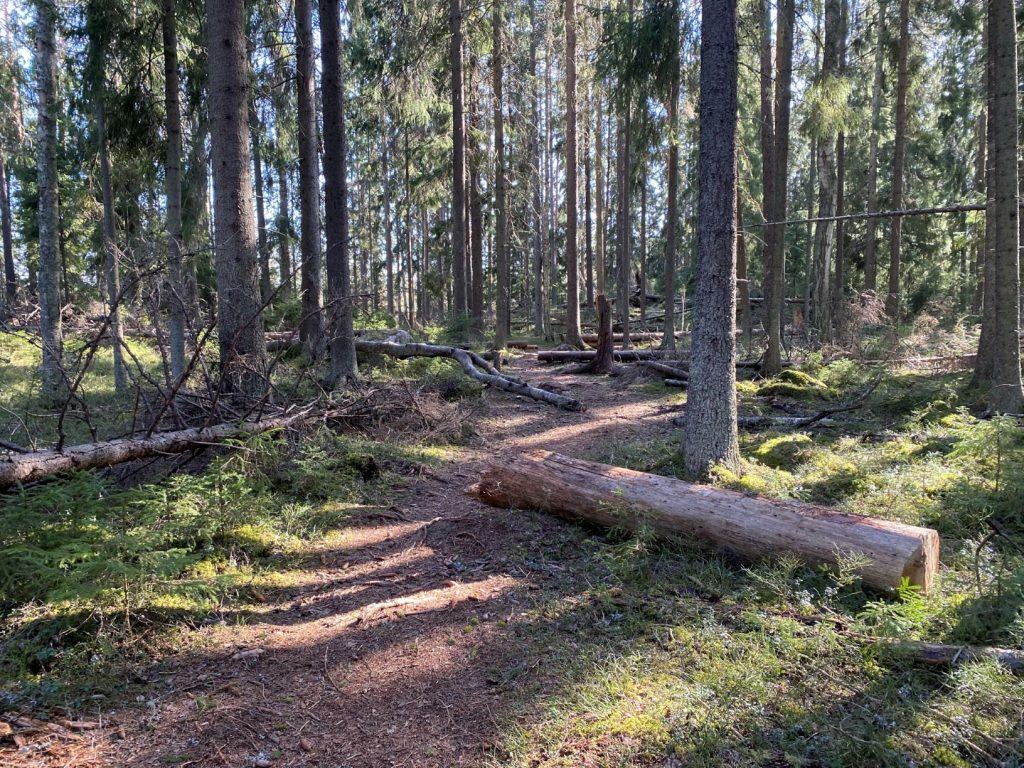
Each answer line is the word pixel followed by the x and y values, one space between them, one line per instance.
pixel 683 658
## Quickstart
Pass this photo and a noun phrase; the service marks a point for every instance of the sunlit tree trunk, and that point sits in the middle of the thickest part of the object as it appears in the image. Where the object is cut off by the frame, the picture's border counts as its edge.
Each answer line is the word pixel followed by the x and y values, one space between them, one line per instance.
pixel 339 289
pixel 870 237
pixel 311 321
pixel 572 258
pixel 177 289
pixel 458 163
pixel 243 357
pixel 1007 395
pixel 49 272
pixel 710 436
pixel 892 299
pixel 502 330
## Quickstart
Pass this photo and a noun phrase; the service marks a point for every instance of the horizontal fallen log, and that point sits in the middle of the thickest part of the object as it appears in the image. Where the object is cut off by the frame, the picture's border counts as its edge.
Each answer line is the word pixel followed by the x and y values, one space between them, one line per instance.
pixel 28 467
pixel 677 371
pixel 474 366
pixel 591 338
pixel 586 355
pixel 681 383
pixel 745 526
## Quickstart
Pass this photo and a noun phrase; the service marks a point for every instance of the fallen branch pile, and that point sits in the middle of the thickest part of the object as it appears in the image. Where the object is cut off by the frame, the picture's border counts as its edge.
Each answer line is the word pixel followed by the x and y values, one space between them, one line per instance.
pixel 474 366
pixel 741 525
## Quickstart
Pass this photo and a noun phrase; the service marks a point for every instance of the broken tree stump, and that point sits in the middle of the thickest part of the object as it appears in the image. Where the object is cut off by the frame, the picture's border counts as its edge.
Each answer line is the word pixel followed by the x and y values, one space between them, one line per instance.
pixel 745 526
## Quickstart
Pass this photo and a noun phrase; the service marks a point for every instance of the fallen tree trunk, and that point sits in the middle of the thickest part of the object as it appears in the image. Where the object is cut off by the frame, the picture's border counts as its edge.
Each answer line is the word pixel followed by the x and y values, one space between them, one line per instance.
pixel 27 467
pixel 677 371
pixel 474 366
pixel 586 355
pixel 593 338
pixel 742 525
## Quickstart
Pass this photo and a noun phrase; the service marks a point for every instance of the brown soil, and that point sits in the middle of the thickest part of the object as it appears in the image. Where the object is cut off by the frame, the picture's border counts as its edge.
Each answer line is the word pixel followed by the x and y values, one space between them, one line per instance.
pixel 400 647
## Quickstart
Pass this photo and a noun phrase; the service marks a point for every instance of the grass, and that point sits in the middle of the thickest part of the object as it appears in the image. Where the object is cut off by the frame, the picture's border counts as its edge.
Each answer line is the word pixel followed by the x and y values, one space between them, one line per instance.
pixel 667 656
pixel 95 577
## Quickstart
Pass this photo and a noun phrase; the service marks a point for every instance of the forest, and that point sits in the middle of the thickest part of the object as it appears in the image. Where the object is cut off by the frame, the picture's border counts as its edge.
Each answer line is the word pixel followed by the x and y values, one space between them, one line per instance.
pixel 525 383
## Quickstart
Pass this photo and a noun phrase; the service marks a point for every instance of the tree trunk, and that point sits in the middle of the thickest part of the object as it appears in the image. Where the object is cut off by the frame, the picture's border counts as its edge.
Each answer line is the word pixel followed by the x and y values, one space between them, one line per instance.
pixel 603 360
pixel 255 132
pixel 113 273
pixel 742 281
pixel 710 436
pixel 10 289
pixel 311 320
pixel 177 288
pixel 746 526
pixel 824 231
pixel 502 330
pixel 870 257
pixel 984 362
pixel 642 287
pixel 49 213
pixel 410 291
pixel 572 260
pixel 389 252
pixel 588 201
pixel 476 241
pixel 458 164
pixel 672 193
pixel 892 299
pixel 1007 395
pixel 339 289
pixel 775 282
pixel 599 210
pixel 243 356
pixel 539 296
pixel 284 228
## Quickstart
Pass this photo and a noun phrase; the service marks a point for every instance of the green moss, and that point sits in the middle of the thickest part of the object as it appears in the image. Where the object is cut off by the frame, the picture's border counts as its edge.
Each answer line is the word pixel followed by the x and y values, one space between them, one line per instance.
pixel 785 452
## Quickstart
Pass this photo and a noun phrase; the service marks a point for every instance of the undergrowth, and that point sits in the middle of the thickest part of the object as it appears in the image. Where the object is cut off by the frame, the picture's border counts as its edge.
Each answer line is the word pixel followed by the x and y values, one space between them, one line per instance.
pixel 92 575
pixel 665 655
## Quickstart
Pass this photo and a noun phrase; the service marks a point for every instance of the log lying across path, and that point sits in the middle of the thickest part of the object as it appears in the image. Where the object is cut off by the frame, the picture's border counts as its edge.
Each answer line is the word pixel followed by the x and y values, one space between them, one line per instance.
pixel 742 525
pixel 592 338
pixel 27 467
pixel 474 366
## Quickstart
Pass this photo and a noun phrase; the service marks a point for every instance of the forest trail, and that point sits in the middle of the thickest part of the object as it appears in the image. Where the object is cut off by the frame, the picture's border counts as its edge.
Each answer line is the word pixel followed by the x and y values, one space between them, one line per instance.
pixel 399 647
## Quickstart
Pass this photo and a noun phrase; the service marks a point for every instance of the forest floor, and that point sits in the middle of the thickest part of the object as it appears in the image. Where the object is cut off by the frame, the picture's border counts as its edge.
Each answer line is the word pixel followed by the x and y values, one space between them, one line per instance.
pixel 431 630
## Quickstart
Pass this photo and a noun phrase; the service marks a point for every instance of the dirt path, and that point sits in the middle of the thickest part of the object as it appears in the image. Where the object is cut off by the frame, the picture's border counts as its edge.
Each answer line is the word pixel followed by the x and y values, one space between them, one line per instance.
pixel 398 648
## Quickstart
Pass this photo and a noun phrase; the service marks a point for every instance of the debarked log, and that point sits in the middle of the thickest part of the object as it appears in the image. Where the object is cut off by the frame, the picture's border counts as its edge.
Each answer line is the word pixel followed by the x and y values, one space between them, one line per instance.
pixel 745 526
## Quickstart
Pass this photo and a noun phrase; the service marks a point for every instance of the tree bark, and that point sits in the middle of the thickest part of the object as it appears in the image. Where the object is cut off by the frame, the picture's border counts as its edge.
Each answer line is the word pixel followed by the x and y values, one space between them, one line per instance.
pixel 339 289
pixel 113 272
pixel 389 251
pixel 539 295
pixel 749 527
pixel 263 253
pixel 742 280
pixel 710 436
pixel 572 260
pixel 243 355
pixel 311 320
pixel 892 299
pixel 458 163
pixel 599 184
pixel 9 293
pixel 178 290
pixel 502 330
pixel 49 213
pixel 870 257
pixel 672 193
pixel 603 360
pixel 824 231
pixel 1007 395
pixel 775 279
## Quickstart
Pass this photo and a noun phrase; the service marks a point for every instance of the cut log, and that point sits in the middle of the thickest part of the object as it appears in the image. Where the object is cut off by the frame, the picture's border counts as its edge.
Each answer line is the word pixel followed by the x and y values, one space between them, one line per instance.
pixel 745 526
pixel 474 366
pixel 27 467
pixel 677 371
